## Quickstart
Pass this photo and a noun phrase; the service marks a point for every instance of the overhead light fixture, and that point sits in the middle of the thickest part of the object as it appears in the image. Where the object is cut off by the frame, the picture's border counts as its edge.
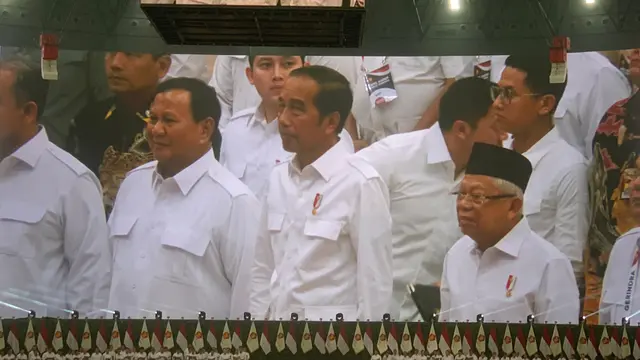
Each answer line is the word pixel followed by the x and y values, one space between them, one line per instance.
pixel 454 5
pixel 590 2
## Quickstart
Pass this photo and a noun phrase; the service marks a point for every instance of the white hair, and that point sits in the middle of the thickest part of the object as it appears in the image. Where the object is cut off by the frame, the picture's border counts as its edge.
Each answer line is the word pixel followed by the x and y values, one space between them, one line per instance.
pixel 508 187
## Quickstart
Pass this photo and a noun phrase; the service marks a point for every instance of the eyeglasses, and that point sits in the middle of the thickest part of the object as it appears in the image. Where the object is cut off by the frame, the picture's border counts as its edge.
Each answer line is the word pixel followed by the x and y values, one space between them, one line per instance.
pixel 506 94
pixel 477 199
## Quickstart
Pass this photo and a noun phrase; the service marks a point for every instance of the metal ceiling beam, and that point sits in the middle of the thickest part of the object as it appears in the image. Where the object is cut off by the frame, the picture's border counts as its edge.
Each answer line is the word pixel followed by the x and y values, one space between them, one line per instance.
pixel 391 27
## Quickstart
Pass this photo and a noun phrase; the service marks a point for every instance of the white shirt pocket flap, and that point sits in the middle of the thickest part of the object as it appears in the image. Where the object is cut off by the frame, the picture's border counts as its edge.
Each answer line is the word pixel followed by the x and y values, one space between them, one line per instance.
pixel 121 225
pixel 22 212
pixel 326 229
pixel 275 221
pixel 191 241
pixel 530 207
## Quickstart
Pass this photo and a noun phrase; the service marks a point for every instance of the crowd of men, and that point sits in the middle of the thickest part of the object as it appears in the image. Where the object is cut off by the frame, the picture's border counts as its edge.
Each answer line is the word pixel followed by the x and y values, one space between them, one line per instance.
pixel 319 185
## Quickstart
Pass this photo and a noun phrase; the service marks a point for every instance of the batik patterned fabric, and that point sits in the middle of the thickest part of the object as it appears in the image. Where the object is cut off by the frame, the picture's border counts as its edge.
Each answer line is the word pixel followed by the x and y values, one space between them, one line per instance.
pixel 616 146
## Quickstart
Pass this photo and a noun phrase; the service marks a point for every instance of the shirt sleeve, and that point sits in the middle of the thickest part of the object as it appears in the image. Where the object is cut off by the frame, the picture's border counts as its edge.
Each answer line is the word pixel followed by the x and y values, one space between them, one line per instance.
pixel 186 65
pixel 86 246
pixel 222 81
pixel 371 236
pixel 237 251
pixel 262 269
pixel 609 88
pixel 572 216
pixel 557 299
pixel 456 67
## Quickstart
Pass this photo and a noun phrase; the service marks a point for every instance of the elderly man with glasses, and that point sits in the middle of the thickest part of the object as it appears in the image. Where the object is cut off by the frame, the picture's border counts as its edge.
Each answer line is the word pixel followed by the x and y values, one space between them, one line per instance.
pixel 501 268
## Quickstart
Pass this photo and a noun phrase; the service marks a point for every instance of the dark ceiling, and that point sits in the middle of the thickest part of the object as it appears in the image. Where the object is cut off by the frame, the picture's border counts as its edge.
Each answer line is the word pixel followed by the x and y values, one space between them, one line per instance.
pixel 390 27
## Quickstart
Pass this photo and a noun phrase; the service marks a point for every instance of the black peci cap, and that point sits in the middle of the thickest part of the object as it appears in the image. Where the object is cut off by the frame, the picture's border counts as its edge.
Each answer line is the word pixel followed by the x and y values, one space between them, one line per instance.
pixel 501 163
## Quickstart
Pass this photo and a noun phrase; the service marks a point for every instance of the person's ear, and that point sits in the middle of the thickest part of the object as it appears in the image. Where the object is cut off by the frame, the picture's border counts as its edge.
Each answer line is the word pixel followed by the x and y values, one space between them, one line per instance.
pixel 515 209
pixel 30 110
pixel 249 73
pixel 547 105
pixel 207 128
pixel 461 129
pixel 164 63
pixel 332 122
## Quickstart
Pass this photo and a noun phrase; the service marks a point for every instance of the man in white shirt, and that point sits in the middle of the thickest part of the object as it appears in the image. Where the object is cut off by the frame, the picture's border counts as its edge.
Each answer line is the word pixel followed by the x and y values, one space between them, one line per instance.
pixel 593 86
pixel 251 144
pixel 419 83
pixel 54 253
pixel 183 227
pixel 236 93
pixel 326 226
pixel 422 167
pixel 620 294
pixel 556 201
pixel 501 268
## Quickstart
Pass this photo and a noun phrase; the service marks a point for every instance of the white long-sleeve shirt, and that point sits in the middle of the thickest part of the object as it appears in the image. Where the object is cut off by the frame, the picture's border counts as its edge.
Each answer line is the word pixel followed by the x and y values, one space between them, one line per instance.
pixel 420 174
pixel 334 260
pixel 251 148
pixel 53 242
pixel 556 202
pixel 183 244
pixel 521 275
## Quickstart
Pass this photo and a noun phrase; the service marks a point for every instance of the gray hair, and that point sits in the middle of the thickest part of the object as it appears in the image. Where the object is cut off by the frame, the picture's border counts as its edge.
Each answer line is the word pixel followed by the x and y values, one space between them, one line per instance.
pixel 508 187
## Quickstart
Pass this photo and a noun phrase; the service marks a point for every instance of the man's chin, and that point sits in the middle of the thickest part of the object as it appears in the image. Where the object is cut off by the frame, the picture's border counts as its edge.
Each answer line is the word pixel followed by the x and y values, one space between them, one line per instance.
pixel 161 153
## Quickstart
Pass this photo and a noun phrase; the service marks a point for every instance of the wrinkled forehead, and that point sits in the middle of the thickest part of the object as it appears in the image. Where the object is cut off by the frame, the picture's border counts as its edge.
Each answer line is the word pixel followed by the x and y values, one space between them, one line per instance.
pixel 474 182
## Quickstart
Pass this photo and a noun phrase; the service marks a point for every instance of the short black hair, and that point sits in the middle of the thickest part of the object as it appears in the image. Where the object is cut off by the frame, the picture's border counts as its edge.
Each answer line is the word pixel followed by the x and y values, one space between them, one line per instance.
pixel 204 103
pixel 29 85
pixel 252 58
pixel 537 68
pixel 467 99
pixel 334 91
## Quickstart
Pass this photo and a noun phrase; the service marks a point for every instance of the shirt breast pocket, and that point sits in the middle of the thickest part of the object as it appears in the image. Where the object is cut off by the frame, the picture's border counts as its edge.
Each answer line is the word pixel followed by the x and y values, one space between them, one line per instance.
pixel 120 228
pixel 20 227
pixel 321 246
pixel 321 229
pixel 181 253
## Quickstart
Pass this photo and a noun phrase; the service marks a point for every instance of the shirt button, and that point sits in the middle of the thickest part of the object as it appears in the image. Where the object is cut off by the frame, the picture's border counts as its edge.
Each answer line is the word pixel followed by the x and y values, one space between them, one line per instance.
pixel 133 287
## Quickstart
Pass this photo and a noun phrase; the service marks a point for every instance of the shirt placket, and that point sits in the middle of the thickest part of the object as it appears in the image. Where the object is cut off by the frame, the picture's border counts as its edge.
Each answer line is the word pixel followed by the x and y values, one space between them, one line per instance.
pixel 295 236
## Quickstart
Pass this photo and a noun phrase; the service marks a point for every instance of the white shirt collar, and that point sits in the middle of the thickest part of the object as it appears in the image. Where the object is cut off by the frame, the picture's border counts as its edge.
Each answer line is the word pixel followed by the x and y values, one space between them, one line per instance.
pixel 190 175
pixel 30 152
pixel 327 164
pixel 437 151
pixel 511 243
pixel 542 147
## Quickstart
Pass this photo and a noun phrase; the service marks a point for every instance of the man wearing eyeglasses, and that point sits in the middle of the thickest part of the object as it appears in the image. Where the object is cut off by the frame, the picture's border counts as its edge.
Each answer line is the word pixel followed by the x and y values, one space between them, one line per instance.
pixel 420 168
pixel 501 268
pixel 556 200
